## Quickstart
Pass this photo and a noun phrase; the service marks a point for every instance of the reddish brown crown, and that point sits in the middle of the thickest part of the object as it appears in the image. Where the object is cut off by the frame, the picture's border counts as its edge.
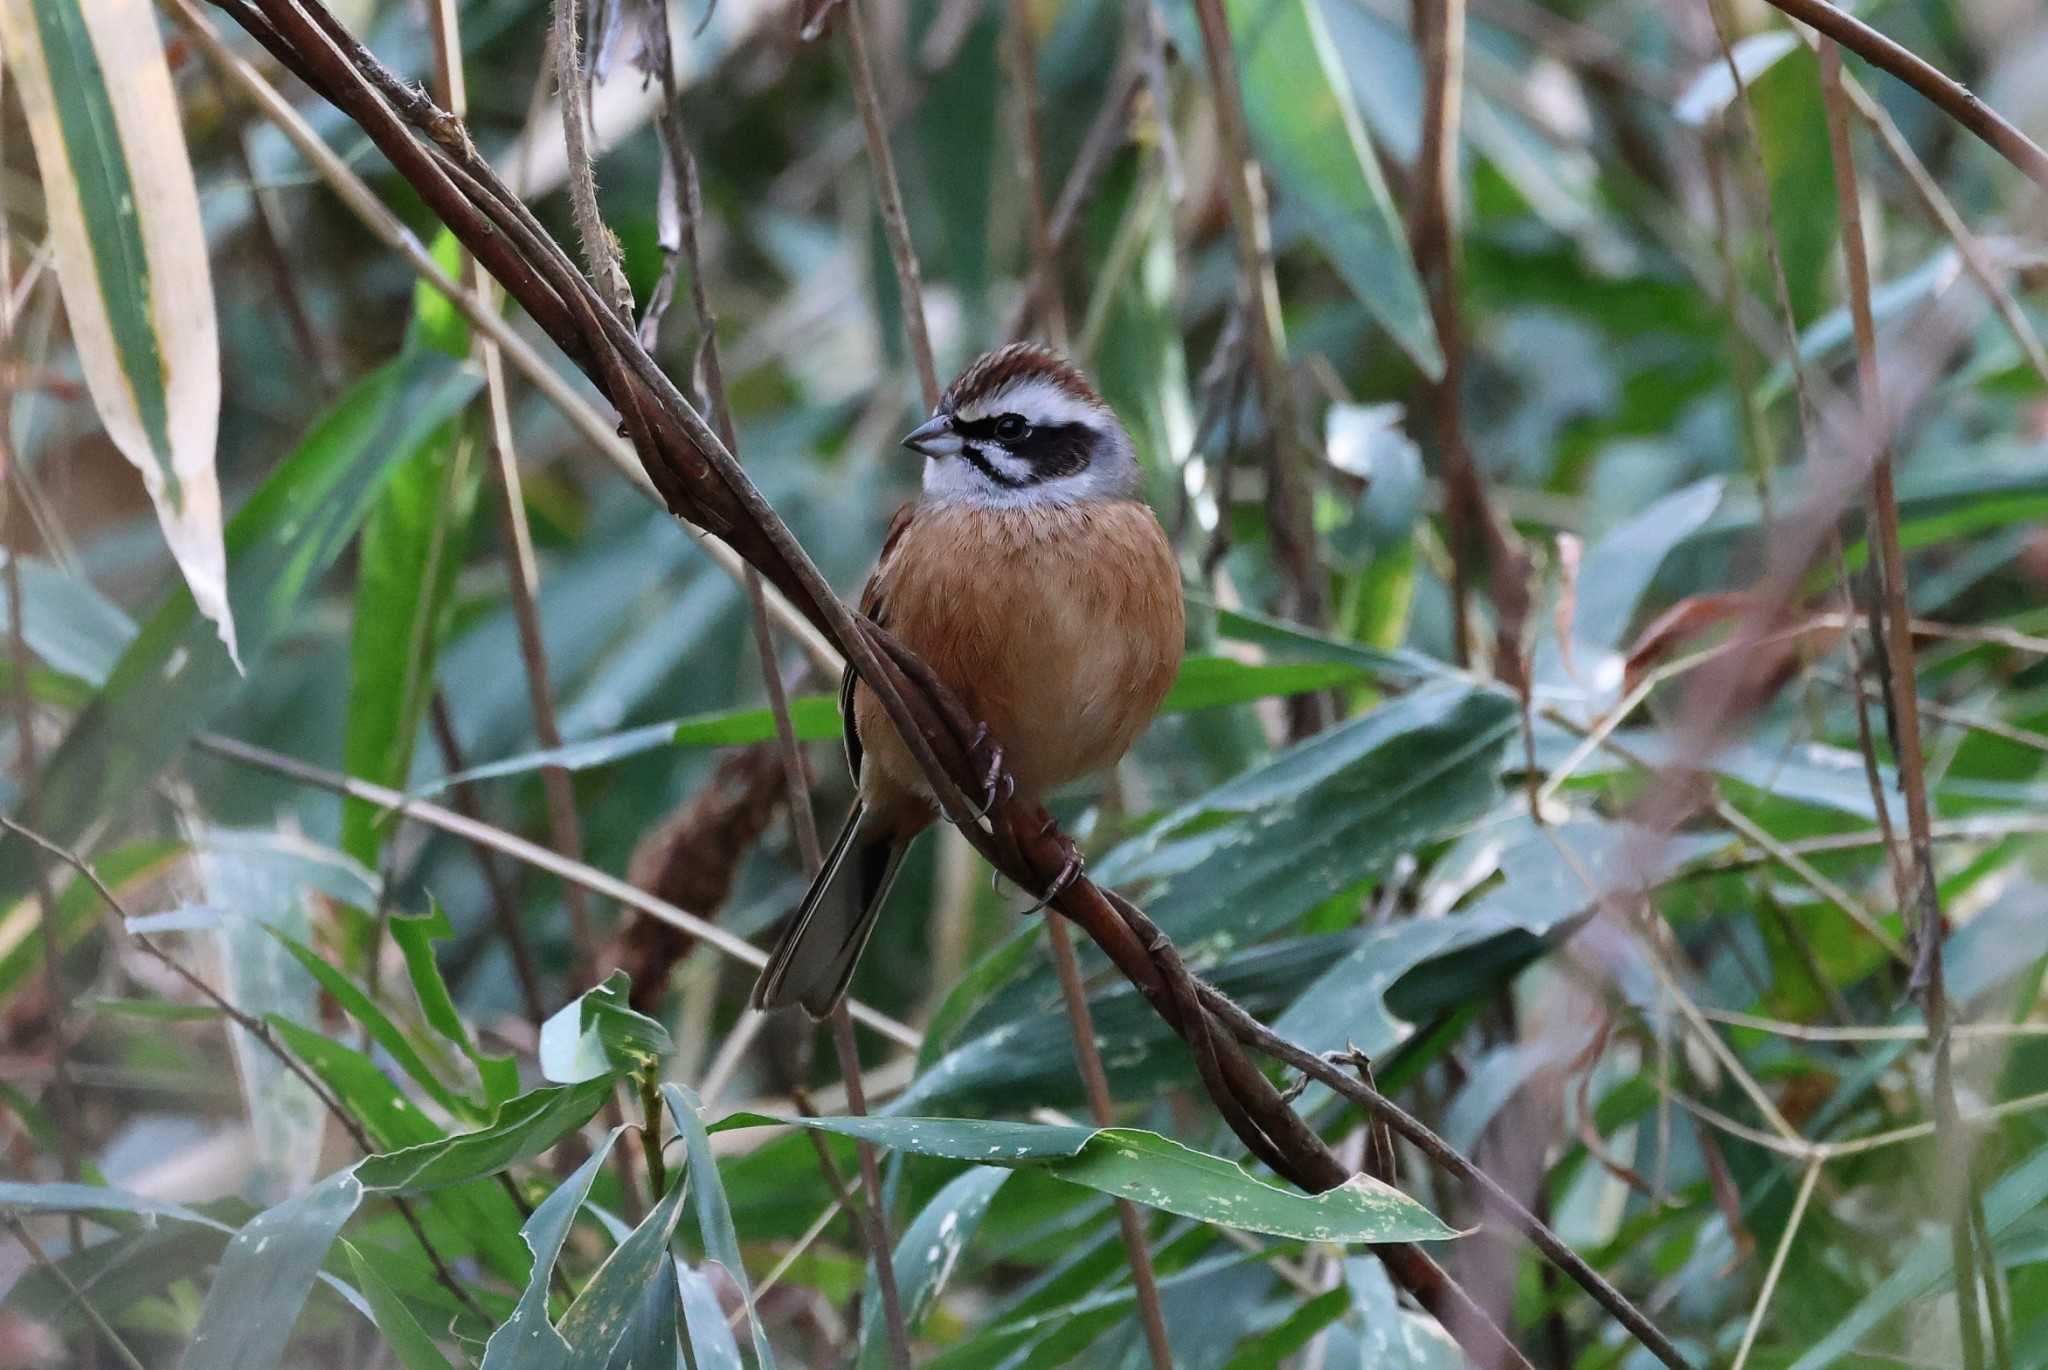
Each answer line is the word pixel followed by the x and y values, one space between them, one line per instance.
pixel 994 372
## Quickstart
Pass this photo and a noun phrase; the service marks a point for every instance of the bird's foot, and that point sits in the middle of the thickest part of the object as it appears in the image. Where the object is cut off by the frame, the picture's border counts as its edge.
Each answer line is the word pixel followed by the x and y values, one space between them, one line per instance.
pixel 1071 866
pixel 997 784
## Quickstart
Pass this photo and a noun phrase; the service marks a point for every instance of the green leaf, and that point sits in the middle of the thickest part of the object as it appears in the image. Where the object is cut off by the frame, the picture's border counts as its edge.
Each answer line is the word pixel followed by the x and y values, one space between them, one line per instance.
pixel 1259 851
pixel 598 1034
pixel 609 1306
pixel 265 1275
pixel 926 1254
pixel 365 1010
pixel 91 1198
pixel 436 322
pixel 365 1091
pixel 711 1341
pixel 527 1340
pixel 1392 666
pixel 1268 1350
pixel 1013 1047
pixel 814 717
pixel 1153 1170
pixel 482 1212
pixel 151 1010
pixel 410 550
pixel 1306 130
pixel 714 1214
pixel 409 1342
pixel 1209 682
pixel 524 1127
pixel 176 675
pixel 263 881
pixel 1791 123
pixel 65 621
pixel 2020 1191
pixel 415 938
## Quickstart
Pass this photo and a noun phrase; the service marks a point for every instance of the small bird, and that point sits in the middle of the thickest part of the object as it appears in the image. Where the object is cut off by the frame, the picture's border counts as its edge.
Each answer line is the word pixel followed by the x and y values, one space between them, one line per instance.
pixel 1036 583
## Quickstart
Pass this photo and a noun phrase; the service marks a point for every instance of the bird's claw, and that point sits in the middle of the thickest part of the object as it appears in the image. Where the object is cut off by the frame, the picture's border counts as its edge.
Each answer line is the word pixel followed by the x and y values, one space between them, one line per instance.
pixel 1070 871
pixel 997 784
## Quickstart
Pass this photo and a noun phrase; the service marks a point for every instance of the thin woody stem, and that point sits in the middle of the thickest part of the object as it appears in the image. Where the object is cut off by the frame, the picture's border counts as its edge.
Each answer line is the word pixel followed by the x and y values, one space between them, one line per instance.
pixel 260 1032
pixel 1894 633
pixel 1144 1282
pixel 873 1219
pixel 889 197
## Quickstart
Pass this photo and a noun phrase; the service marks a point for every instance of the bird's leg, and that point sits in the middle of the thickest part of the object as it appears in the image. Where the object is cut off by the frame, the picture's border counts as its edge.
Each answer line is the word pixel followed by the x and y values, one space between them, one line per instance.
pixel 1071 866
pixel 997 784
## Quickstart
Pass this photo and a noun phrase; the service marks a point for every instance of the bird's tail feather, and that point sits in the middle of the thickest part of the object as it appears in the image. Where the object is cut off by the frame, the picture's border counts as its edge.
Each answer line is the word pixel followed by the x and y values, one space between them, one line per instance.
pixel 813 962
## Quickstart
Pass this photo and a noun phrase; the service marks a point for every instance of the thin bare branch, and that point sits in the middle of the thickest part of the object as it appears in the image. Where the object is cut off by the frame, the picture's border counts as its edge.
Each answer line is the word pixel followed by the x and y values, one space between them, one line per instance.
pixel 1144 1282
pixel 1947 94
pixel 889 198
pixel 259 1032
pixel 1288 491
pixel 78 1296
pixel 1763 1297
pixel 1895 635
pixel 530 853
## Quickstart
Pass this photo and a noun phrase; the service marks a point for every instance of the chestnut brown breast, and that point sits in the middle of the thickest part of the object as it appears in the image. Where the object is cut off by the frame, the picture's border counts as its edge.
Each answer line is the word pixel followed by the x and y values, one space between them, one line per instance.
pixel 1060 627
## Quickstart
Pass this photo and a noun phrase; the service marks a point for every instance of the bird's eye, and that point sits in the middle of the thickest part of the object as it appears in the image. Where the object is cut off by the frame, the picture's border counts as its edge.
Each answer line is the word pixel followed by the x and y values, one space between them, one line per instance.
pixel 1011 427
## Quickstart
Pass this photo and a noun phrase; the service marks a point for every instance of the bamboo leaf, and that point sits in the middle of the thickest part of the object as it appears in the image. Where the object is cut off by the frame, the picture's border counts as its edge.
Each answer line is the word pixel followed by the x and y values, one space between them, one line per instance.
pixel 409 1342
pixel 130 253
pixel 527 1340
pixel 1153 1170
pixel 175 676
pixel 264 1277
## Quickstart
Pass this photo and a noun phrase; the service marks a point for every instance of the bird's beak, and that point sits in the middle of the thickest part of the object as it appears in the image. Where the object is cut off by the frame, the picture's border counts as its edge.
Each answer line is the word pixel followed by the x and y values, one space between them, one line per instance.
pixel 934 437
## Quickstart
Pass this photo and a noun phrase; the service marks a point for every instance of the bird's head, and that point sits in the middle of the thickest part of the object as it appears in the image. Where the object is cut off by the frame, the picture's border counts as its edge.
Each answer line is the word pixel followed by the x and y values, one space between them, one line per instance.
pixel 1021 427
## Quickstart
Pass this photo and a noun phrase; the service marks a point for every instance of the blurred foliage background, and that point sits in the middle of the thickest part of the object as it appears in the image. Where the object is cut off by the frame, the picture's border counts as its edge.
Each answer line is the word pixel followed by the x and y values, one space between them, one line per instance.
pixel 1603 890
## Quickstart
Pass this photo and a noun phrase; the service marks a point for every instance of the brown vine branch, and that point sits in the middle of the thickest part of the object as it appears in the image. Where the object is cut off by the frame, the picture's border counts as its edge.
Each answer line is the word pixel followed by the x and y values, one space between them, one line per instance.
pixel 701 481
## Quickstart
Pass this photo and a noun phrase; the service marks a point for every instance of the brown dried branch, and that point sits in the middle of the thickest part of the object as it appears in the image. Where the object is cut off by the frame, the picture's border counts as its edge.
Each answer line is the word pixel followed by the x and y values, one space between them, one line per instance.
pixel 698 476
pixel 874 1226
pixel 56 1020
pixel 1144 1282
pixel 1477 530
pixel 889 198
pixel 1290 514
pixel 504 901
pixel 78 1296
pixel 1894 634
pixel 1953 98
